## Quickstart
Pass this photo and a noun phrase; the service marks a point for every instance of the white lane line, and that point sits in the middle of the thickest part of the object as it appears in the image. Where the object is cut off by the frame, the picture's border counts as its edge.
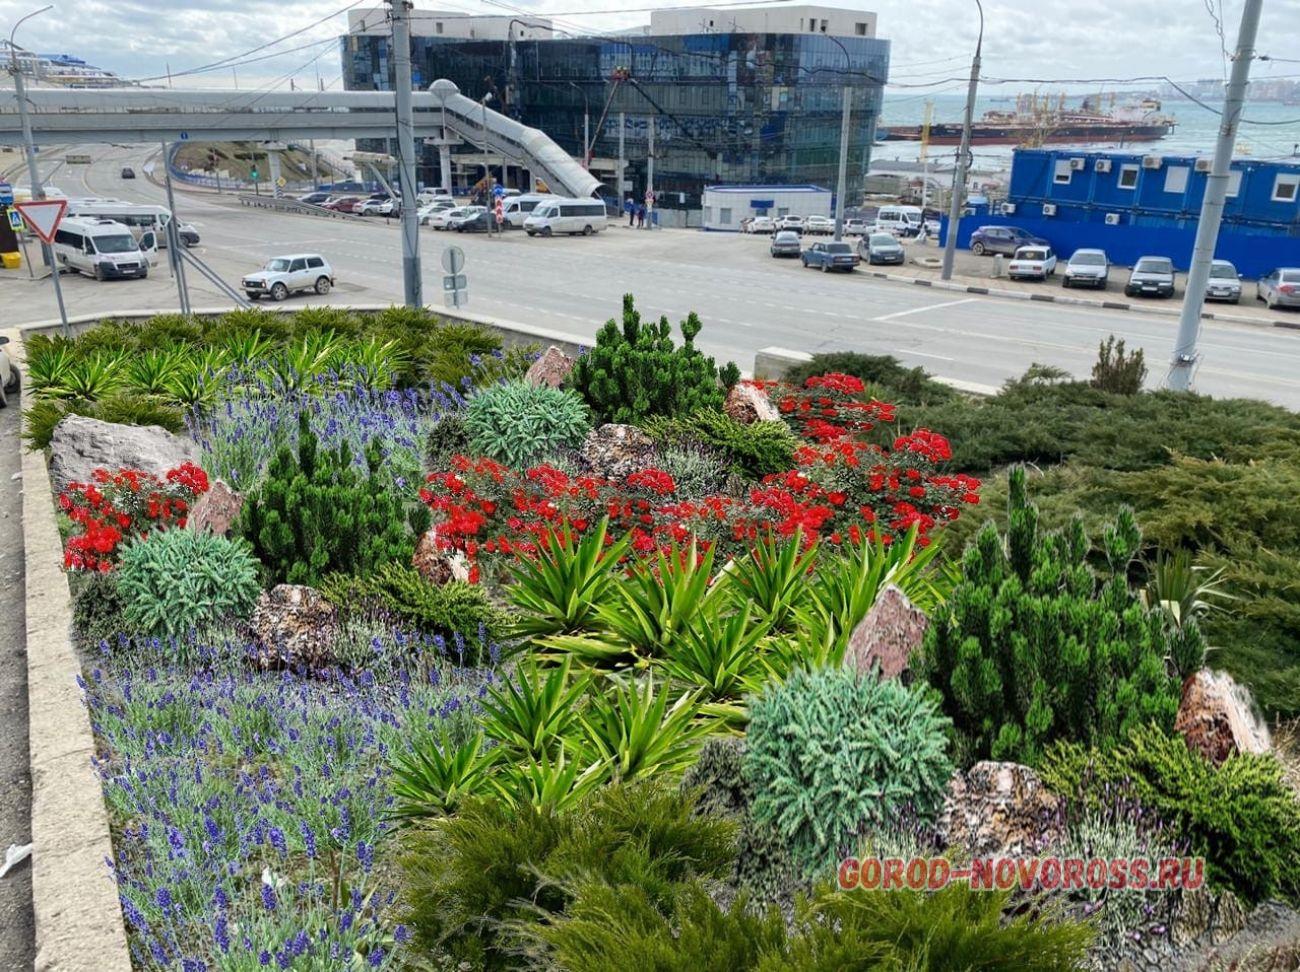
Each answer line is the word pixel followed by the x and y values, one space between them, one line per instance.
pixel 922 310
pixel 925 354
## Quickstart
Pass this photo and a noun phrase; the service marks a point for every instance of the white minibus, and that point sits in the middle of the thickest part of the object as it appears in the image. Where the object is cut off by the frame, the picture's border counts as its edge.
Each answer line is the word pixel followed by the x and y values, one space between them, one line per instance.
pixel 102 248
pixel 572 216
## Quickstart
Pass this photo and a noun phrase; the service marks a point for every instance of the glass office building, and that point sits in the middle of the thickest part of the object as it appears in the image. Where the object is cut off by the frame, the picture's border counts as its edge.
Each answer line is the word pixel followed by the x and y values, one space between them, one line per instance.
pixel 727 107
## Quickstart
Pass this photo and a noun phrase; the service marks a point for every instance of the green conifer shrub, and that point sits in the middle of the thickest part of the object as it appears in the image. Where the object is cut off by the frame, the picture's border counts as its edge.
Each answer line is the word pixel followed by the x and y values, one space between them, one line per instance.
pixel 176 581
pixel 1118 371
pixel 318 513
pixel 519 424
pixel 1032 646
pixel 830 752
pixel 635 371
pixel 749 450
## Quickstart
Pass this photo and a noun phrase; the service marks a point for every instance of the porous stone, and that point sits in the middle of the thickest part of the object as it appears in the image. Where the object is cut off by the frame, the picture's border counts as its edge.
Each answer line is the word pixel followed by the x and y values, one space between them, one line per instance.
pixel 1217 717
pixel 80 445
pixel 293 625
pixel 748 404
pixel 999 809
pixel 551 369
pixel 436 565
pixel 887 636
pixel 616 451
pixel 216 510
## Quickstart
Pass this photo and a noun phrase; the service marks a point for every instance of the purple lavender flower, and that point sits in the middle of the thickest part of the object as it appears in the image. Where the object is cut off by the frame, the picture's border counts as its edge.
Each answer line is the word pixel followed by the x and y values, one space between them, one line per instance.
pixel 268 897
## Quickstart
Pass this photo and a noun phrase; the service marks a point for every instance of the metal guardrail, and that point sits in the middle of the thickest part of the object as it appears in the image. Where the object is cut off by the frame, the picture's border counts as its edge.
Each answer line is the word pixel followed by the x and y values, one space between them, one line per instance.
pixel 285 205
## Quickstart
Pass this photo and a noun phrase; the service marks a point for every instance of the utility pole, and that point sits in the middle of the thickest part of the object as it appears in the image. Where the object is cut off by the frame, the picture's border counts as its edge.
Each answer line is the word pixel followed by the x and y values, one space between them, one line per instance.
pixel 174 238
pixel 315 169
pixel 622 124
pixel 412 283
pixel 1183 367
pixel 963 158
pixel 846 96
pixel 33 170
pixel 650 174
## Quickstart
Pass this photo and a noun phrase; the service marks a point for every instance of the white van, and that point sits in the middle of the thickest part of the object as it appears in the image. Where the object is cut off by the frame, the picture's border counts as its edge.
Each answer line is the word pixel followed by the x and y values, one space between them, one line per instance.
pixel 102 248
pixel 138 217
pixel 517 208
pixel 430 195
pixel 899 220
pixel 572 216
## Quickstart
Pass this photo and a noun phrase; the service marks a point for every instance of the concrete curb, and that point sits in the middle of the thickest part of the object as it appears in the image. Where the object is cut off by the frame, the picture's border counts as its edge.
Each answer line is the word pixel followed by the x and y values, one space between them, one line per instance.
pixel 1079 301
pixel 78 918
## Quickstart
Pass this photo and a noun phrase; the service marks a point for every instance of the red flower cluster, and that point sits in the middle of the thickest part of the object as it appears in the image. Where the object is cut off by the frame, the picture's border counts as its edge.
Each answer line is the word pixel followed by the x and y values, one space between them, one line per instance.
pixel 826 409
pixel 842 489
pixel 120 505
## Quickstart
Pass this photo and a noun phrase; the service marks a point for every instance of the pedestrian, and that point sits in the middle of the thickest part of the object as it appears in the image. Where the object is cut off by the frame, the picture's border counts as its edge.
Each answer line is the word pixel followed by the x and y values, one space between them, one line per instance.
pixel 640 217
pixel 630 208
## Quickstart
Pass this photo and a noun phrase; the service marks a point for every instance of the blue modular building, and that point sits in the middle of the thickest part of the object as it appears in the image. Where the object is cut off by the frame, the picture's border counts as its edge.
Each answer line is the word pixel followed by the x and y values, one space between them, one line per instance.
pixel 1131 204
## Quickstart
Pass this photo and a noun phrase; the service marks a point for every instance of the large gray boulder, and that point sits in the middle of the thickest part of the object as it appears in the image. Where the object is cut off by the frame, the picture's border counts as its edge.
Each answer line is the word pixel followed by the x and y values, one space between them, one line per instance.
pixel 81 445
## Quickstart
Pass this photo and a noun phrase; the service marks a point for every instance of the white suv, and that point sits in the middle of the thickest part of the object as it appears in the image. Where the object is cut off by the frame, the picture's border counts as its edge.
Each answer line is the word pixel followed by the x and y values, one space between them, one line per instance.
pixel 287 275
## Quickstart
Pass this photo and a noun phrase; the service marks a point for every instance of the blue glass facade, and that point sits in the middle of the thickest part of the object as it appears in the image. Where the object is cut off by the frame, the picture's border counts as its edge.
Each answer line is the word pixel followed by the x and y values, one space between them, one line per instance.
pixel 727 107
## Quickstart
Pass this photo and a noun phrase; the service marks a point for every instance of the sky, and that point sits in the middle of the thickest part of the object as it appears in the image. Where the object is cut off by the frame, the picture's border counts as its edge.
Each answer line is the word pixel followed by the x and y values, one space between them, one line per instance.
pixel 931 39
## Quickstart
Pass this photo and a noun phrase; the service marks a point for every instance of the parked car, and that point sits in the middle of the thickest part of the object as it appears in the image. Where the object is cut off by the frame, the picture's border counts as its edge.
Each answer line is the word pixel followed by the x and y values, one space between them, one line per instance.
pixel 1002 239
pixel 188 234
pixel 760 224
pixel 465 216
pixel 1032 263
pixel 315 198
pixel 1281 288
pixel 9 377
pixel 379 207
pixel 1224 282
pixel 882 248
pixel 128 172
pixel 426 196
pixel 425 213
pixel 790 223
pixel 285 275
pixel 830 256
pixel 439 218
pixel 786 244
pixel 1087 268
pixel 822 225
pixel 899 220
pixel 343 204
pixel 856 227
pixel 482 221
pixel 1152 276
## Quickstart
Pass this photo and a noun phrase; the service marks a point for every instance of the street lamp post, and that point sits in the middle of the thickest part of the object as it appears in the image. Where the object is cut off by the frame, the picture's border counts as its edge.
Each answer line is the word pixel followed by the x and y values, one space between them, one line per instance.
pixel 963 157
pixel 846 109
pixel 33 171
pixel 586 125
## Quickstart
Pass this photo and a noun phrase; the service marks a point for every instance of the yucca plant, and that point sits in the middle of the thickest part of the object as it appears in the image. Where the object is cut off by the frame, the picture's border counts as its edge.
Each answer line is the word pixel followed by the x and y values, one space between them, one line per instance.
pixel 637 732
pixel 558 589
pixel 433 778
pixel 551 783
pixel 193 389
pixel 374 362
pixel 295 365
pixel 1181 589
pixel 243 348
pixel 152 372
pixel 94 377
pixel 724 659
pixel 533 710
pixel 49 362
pixel 774 578
pixel 658 600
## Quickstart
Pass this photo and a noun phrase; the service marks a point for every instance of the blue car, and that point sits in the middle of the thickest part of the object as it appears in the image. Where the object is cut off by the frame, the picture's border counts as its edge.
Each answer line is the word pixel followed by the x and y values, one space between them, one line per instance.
pixel 830 256
pixel 1002 239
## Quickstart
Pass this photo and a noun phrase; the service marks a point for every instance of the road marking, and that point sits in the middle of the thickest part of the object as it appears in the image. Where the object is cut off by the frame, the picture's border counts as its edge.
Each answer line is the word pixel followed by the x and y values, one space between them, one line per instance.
pixel 925 354
pixel 922 310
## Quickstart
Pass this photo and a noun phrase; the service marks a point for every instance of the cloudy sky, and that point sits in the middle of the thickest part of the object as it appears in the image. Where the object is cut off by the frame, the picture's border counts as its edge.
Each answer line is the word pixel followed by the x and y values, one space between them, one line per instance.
pixel 932 39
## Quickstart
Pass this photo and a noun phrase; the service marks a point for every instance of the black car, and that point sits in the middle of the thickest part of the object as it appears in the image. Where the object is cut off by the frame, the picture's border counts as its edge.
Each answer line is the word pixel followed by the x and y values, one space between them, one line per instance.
pixel 1152 276
pixel 478 223
pixel 128 172
pixel 188 234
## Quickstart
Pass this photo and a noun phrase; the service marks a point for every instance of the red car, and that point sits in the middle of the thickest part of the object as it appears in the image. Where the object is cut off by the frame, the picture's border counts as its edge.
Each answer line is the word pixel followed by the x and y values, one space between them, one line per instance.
pixel 343 204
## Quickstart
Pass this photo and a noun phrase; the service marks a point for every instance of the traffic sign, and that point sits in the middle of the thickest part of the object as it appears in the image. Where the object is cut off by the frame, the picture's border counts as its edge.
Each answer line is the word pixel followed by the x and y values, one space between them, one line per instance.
pixel 184 136
pixel 43 216
pixel 6 194
pixel 15 221
pixel 454 281
pixel 281 182
pixel 453 259
pixel 498 190
pixel 500 211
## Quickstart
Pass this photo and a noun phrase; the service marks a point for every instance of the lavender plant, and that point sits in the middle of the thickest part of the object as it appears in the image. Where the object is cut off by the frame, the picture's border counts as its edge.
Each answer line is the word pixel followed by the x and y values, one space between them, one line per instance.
pixel 250 810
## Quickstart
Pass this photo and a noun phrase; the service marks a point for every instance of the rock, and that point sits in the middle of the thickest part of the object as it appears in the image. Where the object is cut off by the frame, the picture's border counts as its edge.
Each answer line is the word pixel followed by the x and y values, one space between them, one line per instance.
pixel 747 405
pixel 552 368
pixel 999 809
pixel 216 510
pixel 886 637
pixel 436 565
pixel 81 445
pixel 1204 917
pixel 293 625
pixel 1217 717
pixel 616 451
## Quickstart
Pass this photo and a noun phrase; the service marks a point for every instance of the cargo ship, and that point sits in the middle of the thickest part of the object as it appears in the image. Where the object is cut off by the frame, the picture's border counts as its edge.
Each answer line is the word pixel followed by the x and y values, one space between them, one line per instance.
pixel 1040 121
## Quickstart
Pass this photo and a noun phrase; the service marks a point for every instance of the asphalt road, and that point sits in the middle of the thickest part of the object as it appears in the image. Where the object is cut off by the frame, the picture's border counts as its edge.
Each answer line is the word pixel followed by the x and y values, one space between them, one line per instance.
pixel 746 300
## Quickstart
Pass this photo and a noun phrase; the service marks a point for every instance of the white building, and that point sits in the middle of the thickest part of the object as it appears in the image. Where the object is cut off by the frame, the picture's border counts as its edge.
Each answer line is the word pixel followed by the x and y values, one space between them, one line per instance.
pixel 725 206
pixel 449 23
pixel 782 19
